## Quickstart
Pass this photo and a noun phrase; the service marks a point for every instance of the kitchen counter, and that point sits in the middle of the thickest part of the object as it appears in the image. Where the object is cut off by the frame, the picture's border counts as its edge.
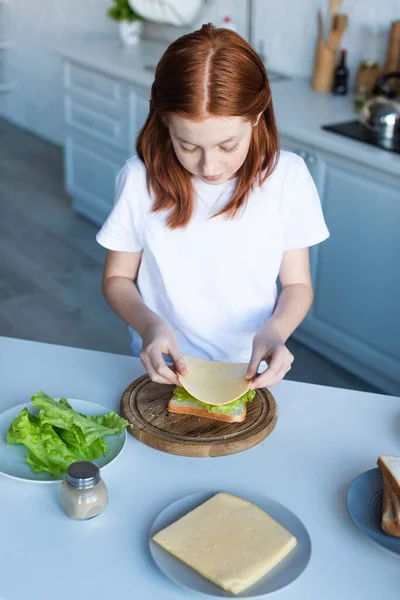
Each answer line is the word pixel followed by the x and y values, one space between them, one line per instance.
pixel 300 111
pixel 323 439
pixel 133 64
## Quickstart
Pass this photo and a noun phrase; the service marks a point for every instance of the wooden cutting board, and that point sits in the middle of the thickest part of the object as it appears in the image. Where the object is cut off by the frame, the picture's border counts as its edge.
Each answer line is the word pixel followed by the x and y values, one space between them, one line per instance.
pixel 144 405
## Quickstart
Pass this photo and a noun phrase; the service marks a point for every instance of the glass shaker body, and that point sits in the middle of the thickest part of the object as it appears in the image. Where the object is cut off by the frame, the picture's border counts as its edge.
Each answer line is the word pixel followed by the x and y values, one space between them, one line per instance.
pixel 83 494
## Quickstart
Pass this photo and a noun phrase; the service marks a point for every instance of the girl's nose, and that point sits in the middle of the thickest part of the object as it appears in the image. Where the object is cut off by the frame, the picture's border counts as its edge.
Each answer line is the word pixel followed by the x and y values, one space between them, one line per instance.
pixel 209 165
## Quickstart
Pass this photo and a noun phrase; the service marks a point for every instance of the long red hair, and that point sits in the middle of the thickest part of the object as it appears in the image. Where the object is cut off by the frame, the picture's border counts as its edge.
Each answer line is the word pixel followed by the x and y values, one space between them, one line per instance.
pixel 220 64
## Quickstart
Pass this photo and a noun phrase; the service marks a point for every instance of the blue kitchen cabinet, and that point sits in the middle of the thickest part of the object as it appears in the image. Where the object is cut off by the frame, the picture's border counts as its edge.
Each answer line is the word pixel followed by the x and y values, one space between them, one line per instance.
pixel 102 118
pixel 355 318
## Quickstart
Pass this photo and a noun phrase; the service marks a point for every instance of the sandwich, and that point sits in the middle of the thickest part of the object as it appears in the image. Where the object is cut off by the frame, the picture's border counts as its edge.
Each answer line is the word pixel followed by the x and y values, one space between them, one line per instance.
pixel 390 468
pixel 184 403
pixel 212 390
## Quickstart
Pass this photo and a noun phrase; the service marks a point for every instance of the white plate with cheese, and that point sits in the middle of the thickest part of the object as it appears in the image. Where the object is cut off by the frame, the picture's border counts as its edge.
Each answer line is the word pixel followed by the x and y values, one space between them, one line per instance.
pixel 245 546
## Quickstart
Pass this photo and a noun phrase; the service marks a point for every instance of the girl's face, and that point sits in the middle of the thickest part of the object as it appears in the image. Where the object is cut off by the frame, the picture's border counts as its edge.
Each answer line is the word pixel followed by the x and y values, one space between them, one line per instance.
pixel 212 149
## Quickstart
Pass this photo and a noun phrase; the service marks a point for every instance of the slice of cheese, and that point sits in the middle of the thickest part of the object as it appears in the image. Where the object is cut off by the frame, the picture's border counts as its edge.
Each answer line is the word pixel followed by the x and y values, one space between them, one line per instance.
pixel 214 382
pixel 228 540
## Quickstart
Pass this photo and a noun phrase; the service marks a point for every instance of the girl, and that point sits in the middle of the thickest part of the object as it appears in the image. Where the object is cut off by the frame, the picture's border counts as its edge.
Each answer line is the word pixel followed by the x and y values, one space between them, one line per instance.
pixel 208 215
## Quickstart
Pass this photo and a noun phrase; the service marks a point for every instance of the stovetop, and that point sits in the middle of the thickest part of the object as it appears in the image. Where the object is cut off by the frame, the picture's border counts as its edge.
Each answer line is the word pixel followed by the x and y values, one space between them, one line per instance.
pixel 357 131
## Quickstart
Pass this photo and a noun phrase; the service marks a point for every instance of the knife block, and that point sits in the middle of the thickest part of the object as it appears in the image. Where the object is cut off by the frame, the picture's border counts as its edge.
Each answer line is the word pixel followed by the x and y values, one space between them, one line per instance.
pixel 393 52
pixel 324 68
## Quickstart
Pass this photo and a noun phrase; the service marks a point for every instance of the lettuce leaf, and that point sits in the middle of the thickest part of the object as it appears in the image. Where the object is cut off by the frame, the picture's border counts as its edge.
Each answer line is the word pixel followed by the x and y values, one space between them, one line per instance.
pixel 76 442
pixel 60 435
pixel 59 415
pixel 46 448
pixel 13 434
pixel 181 395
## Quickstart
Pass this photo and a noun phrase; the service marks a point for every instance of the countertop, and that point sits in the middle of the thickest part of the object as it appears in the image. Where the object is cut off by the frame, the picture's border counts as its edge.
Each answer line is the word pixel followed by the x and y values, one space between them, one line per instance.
pixel 299 110
pixel 134 64
pixel 324 438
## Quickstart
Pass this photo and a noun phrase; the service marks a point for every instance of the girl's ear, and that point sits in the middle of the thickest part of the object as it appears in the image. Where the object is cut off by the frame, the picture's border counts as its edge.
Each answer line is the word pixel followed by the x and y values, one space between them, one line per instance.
pixel 257 120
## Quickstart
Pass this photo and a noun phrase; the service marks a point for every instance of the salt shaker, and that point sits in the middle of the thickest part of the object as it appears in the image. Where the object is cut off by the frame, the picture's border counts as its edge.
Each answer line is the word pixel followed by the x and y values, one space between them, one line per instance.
pixel 83 494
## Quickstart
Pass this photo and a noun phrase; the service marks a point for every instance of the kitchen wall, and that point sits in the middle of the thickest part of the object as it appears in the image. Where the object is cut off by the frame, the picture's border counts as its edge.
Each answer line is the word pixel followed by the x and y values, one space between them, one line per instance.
pixel 286 29
pixel 36 26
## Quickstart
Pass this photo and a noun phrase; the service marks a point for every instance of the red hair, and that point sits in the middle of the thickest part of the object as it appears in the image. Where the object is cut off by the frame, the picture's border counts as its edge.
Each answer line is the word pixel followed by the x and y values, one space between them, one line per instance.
pixel 208 72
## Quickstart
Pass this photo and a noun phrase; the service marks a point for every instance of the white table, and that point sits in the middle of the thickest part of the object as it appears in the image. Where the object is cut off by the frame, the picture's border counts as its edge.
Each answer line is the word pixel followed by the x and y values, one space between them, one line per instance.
pixel 324 438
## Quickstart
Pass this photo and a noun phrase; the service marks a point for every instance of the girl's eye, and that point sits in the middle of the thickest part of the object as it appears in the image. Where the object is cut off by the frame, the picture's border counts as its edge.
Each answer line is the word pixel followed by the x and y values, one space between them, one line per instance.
pixel 189 150
pixel 230 149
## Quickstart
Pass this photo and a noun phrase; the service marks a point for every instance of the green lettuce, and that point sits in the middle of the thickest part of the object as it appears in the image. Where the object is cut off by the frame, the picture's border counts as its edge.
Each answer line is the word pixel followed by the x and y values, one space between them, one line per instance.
pixel 181 395
pixel 59 415
pixel 46 448
pixel 13 434
pixel 60 435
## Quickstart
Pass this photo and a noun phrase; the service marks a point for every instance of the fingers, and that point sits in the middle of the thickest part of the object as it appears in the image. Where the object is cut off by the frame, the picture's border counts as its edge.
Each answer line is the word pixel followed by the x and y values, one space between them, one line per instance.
pixel 178 359
pixel 155 366
pixel 279 364
pixel 256 357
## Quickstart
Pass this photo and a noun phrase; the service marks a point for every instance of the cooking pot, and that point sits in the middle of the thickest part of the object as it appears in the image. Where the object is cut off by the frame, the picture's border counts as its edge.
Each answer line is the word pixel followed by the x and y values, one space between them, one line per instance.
pixel 381 113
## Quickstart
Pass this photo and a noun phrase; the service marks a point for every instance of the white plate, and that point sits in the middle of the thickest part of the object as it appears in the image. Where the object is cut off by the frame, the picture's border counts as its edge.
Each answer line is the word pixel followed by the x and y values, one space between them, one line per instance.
pixel 289 569
pixel 12 457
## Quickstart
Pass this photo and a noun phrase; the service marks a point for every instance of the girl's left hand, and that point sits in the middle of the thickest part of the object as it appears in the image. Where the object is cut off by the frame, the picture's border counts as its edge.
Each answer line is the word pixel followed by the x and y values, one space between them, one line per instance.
pixel 269 346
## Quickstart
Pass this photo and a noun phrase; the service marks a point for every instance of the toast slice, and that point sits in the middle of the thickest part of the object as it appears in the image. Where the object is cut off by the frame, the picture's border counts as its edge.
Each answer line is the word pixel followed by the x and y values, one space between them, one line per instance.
pixel 395 505
pixel 389 525
pixel 390 467
pixel 187 407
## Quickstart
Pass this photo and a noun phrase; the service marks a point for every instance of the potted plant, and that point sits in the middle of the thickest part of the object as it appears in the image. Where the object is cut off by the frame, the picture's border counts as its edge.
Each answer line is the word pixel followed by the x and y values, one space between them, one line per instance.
pixel 130 22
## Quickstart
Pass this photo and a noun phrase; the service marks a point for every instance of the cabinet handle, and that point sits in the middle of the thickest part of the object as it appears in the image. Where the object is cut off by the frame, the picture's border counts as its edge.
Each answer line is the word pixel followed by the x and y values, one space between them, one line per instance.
pixel 311 160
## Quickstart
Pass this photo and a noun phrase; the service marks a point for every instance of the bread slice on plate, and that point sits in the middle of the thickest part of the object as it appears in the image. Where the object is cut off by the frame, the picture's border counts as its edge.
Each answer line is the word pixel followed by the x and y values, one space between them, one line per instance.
pixel 390 467
pixel 389 525
pixel 189 407
pixel 396 506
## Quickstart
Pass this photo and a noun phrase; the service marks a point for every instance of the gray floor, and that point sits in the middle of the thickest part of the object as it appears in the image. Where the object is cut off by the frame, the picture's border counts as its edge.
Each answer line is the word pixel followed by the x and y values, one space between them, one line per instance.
pixel 51 265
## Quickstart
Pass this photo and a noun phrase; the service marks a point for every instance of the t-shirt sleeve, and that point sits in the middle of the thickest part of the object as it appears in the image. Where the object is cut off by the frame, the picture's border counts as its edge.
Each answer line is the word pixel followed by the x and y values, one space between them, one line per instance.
pixel 122 231
pixel 304 221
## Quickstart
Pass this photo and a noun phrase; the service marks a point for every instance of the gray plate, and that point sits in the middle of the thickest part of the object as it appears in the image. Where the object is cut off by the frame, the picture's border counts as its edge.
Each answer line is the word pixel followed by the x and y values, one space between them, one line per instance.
pixel 289 569
pixel 364 503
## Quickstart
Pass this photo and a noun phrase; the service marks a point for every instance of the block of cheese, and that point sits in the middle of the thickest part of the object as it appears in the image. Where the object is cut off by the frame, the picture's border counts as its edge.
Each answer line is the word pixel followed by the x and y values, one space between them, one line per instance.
pixel 228 540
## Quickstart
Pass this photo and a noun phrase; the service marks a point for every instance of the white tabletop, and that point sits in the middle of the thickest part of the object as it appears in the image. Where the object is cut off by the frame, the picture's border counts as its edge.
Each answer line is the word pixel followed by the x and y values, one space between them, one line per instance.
pixel 323 439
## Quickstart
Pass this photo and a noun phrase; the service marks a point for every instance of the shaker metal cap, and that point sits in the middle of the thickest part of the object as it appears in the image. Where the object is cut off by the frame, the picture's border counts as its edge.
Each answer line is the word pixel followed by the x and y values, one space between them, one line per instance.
pixel 83 474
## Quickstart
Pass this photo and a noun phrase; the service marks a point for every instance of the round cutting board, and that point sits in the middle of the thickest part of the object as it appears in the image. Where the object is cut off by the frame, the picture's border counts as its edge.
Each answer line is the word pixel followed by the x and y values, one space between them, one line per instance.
pixel 144 404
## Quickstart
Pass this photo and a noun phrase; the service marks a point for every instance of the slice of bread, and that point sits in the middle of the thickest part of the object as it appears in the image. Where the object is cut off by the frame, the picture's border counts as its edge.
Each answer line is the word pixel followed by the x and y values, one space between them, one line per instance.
pixel 390 467
pixel 389 525
pixel 186 407
pixel 396 506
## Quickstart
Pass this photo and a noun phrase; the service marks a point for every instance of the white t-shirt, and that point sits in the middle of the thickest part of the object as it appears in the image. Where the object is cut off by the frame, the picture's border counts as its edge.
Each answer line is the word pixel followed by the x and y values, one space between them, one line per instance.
pixel 214 282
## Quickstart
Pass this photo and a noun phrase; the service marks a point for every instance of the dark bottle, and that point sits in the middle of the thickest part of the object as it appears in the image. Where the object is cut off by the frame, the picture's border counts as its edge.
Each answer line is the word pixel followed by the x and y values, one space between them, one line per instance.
pixel 341 76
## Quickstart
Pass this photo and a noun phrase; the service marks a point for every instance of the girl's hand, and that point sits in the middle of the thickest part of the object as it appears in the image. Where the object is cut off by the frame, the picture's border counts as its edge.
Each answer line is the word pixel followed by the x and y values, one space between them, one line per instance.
pixel 269 346
pixel 158 339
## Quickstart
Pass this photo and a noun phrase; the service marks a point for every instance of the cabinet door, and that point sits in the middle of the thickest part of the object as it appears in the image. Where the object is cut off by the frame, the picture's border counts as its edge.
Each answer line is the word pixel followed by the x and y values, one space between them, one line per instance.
pixel 355 318
pixel 139 109
pixel 91 177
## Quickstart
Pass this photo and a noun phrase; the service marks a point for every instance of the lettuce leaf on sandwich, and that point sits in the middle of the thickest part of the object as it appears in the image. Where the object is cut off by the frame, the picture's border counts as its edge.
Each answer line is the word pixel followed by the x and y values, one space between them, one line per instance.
pixel 181 395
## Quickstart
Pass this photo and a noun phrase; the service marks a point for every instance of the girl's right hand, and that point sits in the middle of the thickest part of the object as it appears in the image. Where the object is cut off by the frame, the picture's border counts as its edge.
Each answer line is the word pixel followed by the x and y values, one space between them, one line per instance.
pixel 158 339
